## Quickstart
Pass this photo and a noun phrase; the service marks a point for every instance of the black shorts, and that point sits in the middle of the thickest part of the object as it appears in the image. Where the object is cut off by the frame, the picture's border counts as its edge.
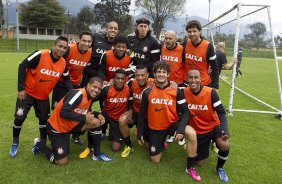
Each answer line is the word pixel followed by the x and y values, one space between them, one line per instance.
pixel 60 142
pixel 203 142
pixel 157 138
pixel 114 131
pixel 41 107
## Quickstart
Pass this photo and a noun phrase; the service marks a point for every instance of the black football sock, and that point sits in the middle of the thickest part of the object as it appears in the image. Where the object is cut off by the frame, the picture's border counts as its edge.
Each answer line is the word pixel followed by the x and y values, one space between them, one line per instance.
pixel 43 130
pixel 127 141
pixel 190 162
pixel 17 130
pixel 222 157
pixel 95 137
pixel 90 143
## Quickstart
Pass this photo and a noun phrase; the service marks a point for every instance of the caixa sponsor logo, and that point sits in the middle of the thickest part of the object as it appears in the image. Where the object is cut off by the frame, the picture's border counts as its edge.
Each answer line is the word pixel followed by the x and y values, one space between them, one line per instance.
pixel 78 63
pixel 50 72
pixel 161 101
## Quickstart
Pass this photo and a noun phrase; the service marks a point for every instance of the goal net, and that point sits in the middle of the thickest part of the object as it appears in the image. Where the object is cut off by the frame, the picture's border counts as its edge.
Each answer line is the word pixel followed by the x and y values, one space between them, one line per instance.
pixel 248 29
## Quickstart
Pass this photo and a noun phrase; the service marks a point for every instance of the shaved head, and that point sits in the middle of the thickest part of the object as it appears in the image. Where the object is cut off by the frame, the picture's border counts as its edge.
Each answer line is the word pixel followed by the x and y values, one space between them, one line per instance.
pixel 170 39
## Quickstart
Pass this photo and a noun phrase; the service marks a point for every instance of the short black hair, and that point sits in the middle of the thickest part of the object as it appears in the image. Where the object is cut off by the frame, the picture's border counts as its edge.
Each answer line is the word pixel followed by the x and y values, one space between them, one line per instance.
pixel 61 38
pixel 85 33
pixel 120 39
pixel 194 24
pixel 93 79
pixel 121 71
pixel 161 65
pixel 140 67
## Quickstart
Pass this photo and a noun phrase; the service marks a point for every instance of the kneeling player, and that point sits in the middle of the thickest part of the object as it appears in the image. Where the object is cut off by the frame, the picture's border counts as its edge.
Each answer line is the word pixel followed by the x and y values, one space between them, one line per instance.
pixel 207 117
pixel 71 116
pixel 167 114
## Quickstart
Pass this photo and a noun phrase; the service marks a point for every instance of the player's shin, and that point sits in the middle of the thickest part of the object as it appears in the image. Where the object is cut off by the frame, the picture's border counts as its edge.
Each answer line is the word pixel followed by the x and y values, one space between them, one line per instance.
pixel 43 130
pixel 17 130
pixel 95 139
pixel 222 157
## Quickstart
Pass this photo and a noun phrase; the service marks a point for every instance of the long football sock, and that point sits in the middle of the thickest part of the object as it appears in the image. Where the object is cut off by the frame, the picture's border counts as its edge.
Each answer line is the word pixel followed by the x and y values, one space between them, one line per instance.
pixel 95 137
pixel 222 157
pixel 17 130
pixel 127 141
pixel 190 162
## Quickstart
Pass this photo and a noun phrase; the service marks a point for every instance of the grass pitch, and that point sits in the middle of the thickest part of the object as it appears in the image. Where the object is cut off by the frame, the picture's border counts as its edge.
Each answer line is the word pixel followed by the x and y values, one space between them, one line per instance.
pixel 255 155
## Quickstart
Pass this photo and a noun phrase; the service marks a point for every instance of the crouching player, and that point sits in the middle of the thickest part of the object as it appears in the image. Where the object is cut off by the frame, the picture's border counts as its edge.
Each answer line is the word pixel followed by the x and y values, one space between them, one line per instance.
pixel 167 114
pixel 207 117
pixel 71 116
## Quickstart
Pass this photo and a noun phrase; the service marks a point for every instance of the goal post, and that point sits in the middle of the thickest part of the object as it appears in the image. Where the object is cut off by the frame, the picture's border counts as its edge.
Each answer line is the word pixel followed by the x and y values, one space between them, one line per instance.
pixel 239 15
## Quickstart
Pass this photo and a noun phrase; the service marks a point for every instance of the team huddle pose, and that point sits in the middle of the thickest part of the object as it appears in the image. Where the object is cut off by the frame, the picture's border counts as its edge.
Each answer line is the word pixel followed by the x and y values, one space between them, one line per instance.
pixel 164 90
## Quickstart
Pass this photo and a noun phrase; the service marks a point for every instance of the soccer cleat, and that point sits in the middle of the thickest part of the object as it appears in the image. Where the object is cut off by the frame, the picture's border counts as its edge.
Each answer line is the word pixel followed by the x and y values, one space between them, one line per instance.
pixel 170 139
pixel 222 175
pixel 35 149
pixel 181 142
pixel 14 150
pixel 193 173
pixel 126 152
pixel 102 157
pixel 86 152
pixel 77 140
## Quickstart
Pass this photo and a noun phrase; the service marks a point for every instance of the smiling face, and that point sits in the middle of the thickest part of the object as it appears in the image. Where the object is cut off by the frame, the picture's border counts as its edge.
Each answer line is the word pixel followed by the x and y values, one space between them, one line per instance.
pixel 111 30
pixel 119 81
pixel 194 35
pixel 59 49
pixel 120 49
pixel 141 76
pixel 161 76
pixel 93 89
pixel 85 43
pixel 194 80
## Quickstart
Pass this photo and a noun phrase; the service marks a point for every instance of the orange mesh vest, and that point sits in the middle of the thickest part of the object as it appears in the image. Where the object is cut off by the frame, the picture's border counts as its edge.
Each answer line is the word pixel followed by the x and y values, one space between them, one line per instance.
pixel 113 63
pixel 174 59
pixel 116 102
pixel 39 82
pixel 137 92
pixel 202 117
pixel 76 62
pixel 64 125
pixel 196 58
pixel 162 108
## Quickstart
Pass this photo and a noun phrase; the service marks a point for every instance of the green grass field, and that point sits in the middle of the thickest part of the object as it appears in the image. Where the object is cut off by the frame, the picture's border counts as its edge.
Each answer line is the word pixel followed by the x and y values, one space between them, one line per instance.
pixel 255 155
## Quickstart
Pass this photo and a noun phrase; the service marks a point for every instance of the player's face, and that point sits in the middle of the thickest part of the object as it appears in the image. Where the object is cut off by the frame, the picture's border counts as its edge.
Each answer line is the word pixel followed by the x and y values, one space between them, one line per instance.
pixel 141 76
pixel 194 34
pixel 170 40
pixel 85 43
pixel 60 48
pixel 112 30
pixel 194 80
pixel 119 81
pixel 94 88
pixel 142 30
pixel 120 49
pixel 161 76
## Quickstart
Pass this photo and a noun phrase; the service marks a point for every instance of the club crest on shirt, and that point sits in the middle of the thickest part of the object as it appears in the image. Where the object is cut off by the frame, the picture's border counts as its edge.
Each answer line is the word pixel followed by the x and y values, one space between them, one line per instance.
pixel 60 150
pixel 145 49
pixel 20 111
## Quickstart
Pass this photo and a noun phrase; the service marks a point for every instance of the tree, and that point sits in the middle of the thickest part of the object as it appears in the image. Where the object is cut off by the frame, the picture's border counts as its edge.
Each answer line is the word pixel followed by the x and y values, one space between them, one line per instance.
pixel 258 29
pixel 160 11
pixel 85 17
pixel 1 14
pixel 43 13
pixel 114 10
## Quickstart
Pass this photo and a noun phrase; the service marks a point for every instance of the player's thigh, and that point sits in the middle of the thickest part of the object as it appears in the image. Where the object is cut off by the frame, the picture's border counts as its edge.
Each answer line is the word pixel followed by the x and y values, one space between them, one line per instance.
pixel 60 145
pixel 42 109
pixel 156 141
pixel 203 142
pixel 23 107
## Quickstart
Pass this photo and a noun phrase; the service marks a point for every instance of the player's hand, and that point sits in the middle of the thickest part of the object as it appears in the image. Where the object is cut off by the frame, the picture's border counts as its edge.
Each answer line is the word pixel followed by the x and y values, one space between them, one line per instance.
pixel 173 85
pixel 21 95
pixel 178 137
pixel 141 141
pixel 89 117
pixel 131 68
pixel 224 136
pixel 102 119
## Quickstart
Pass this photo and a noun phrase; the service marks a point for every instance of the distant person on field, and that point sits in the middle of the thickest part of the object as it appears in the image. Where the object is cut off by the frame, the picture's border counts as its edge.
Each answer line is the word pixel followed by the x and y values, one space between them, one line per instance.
pixel 239 58
pixel 37 76
pixel 221 58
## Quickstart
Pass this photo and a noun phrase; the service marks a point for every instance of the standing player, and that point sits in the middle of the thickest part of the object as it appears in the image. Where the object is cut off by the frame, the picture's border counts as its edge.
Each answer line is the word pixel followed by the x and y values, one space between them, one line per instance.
pixel 101 43
pixel 239 58
pixel 143 47
pixel 77 57
pixel 172 53
pixel 117 100
pixel 167 114
pixel 114 59
pixel 37 76
pixel 71 115
pixel 207 117
pixel 221 58
pixel 199 54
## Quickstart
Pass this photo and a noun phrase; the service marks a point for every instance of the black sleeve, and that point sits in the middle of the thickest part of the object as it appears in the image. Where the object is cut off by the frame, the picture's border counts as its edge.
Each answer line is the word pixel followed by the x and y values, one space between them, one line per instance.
pixel 102 67
pixel 92 67
pixel 182 110
pixel 130 101
pixel 218 107
pixel 211 58
pixel 155 51
pixel 66 78
pixel 30 62
pixel 142 113
pixel 71 101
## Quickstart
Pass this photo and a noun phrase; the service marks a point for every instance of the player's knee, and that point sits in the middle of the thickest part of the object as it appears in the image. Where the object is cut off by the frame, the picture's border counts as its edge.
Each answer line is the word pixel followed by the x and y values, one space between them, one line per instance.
pixel 122 120
pixel 223 145
pixel 116 146
pixel 62 162
pixel 190 133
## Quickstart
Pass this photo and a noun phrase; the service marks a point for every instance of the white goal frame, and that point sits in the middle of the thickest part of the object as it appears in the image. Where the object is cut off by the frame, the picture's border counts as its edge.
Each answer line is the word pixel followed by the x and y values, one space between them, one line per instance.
pixel 232 84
